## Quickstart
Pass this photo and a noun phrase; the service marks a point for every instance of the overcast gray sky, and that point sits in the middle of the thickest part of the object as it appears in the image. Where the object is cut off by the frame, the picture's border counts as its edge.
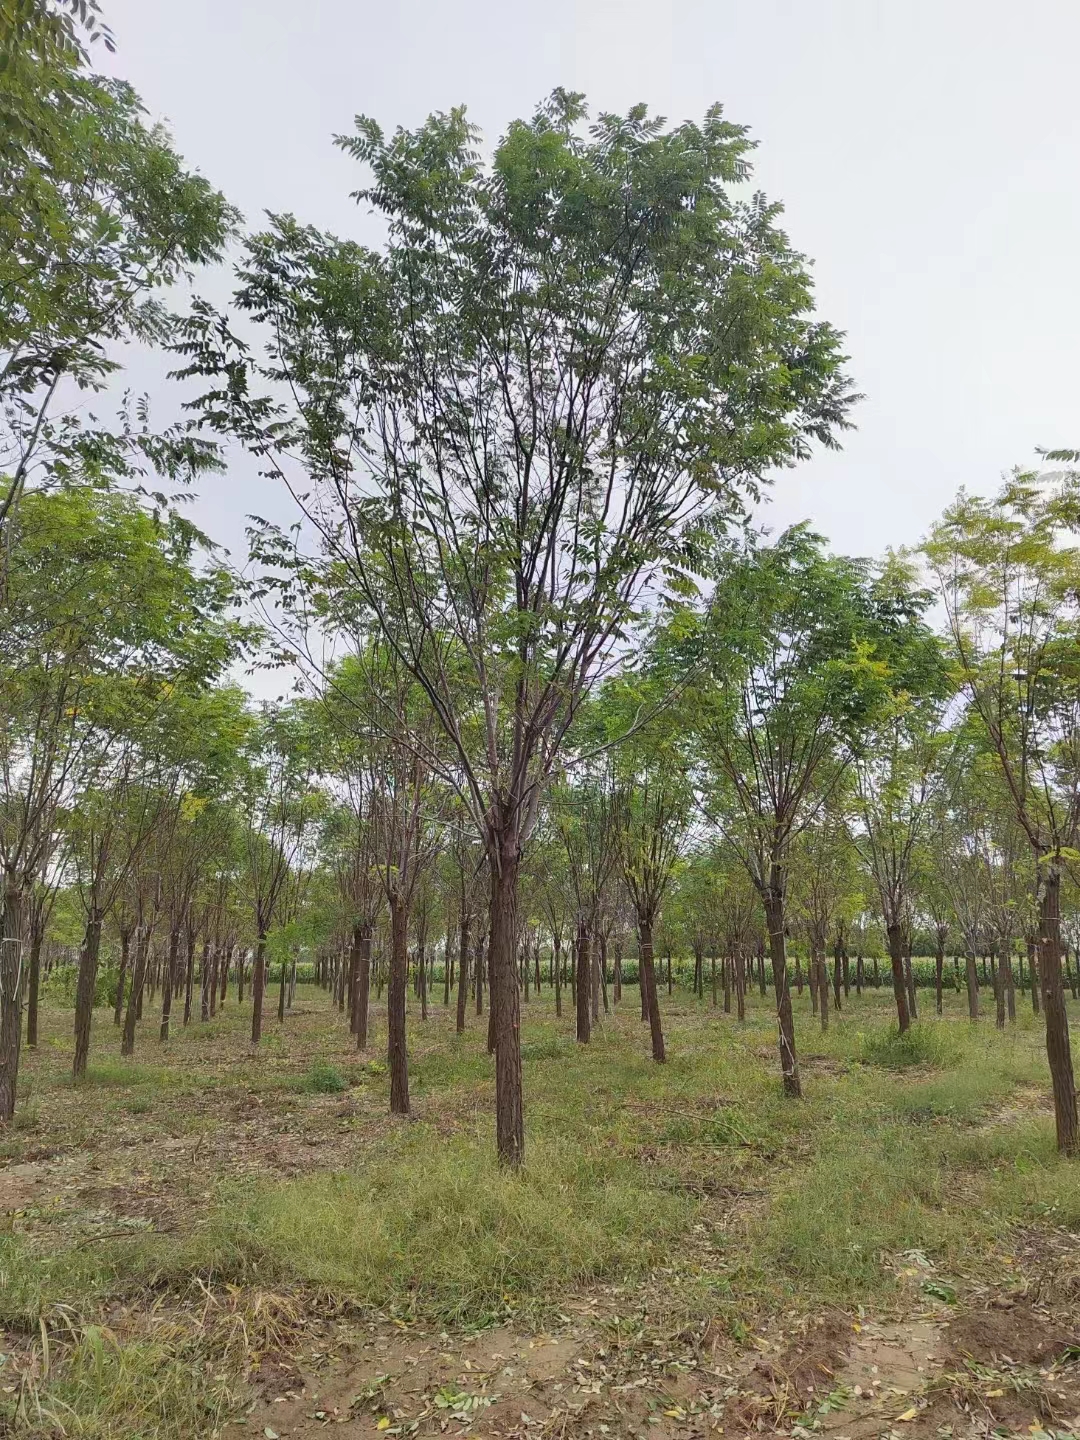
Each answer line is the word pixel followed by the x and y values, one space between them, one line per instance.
pixel 927 153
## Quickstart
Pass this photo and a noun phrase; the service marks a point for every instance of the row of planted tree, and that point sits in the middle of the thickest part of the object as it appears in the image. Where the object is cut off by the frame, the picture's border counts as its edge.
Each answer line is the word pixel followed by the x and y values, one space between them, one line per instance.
pixel 549 670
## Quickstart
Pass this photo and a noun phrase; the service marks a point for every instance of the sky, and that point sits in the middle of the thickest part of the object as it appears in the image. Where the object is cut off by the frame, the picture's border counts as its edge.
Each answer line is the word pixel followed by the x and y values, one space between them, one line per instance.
pixel 927 154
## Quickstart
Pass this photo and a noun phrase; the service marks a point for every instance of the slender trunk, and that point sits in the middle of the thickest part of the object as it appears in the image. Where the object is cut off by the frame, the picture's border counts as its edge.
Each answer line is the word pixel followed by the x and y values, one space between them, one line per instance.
pixel 1058 1051
pixel 204 983
pixel 584 1027
pixel 189 975
pixel 283 986
pixel 740 983
pixel 37 938
pixel 556 965
pixel 421 963
pixel 999 991
pixel 822 967
pixel 972 974
pixel 84 992
pixel 799 976
pixel 1033 966
pixel 241 960
pixel 670 982
pixel 617 990
pixel 601 972
pixel 258 986
pixel 478 966
pixel 11 997
pixel 895 938
pixel 363 985
pixel 647 976
pixel 125 952
pixel 226 961
pixel 492 1033
pixel 1010 985
pixel 167 983
pixel 774 917
pixel 909 978
pixel 836 976
pixel 509 1107
pixel 138 979
pixel 939 970
pixel 397 1056
pixel 463 970
pixel 858 972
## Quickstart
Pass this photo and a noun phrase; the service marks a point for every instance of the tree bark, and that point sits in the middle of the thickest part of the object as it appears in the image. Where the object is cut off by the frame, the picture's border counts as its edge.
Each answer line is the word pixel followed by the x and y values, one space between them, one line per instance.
pixel 822 967
pixel 138 979
pixel 785 1020
pixel 509 1104
pixel 463 970
pixel 972 975
pixel 647 969
pixel 258 987
pixel 84 993
pixel 939 970
pixel 10 997
pixel 397 1056
pixel 125 952
pixel 34 987
pixel 1058 1051
pixel 895 938
pixel 167 980
pixel 362 1003
pixel 584 1026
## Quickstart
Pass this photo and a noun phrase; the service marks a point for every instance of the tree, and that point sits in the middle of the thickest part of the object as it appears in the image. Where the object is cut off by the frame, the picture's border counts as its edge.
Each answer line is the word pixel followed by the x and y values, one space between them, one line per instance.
pixel 804 649
pixel 1009 577
pixel 505 427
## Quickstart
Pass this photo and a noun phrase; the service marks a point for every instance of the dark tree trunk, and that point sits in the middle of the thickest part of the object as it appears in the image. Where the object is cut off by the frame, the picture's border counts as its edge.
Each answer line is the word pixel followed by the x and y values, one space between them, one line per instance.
pixel 1058 1051
pixel 647 977
pixel 1033 966
pixel 909 977
pixel 939 970
pixel 138 980
pixel 556 965
pixel 972 974
pixel 821 965
pixel 37 938
pixel 362 1003
pixel 167 980
pixel 799 977
pixel 125 952
pixel 509 1106
pixel 84 993
pixel 478 979
pixel 740 983
pixel 258 988
pixel 204 983
pixel 858 972
pixel 837 978
pixel 617 984
pixel 463 971
pixel 584 1027
pixel 283 986
pixel 11 998
pixel 397 1056
pixel 785 1020
pixel 189 975
pixel 895 939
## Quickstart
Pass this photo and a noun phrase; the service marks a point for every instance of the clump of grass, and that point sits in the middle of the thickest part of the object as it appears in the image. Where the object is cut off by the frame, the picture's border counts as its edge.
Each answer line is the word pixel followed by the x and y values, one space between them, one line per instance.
pixel 442 1229
pixel 920 1045
pixel 323 1078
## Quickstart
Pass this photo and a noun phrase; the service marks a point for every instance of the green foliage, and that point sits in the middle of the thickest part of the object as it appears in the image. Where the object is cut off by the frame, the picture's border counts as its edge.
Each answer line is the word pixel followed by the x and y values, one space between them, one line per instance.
pixel 326 1079
pixel 922 1044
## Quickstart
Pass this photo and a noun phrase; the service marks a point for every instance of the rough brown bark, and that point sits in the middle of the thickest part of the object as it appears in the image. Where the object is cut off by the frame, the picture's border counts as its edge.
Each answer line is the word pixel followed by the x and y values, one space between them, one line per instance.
pixel 10 998
pixel 84 993
pixel 647 969
pixel 258 987
pixel 463 970
pixel 785 1020
pixel 125 954
pixel 972 976
pixel 167 982
pixel 138 979
pixel 509 1102
pixel 397 1056
pixel 584 1026
pixel 1058 1051
pixel 363 986
pixel 899 980
pixel 34 985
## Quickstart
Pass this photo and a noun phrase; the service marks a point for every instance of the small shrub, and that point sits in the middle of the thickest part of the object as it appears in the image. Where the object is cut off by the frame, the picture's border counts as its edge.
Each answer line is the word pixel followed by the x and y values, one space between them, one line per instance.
pixel 326 1079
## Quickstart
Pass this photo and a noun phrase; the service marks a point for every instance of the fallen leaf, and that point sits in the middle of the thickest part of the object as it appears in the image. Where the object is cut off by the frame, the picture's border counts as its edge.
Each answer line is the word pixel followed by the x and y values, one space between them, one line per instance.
pixel 909 1414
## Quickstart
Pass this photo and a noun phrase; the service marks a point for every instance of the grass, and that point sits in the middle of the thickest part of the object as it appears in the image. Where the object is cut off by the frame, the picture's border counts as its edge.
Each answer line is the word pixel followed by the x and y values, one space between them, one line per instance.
pixel 695 1189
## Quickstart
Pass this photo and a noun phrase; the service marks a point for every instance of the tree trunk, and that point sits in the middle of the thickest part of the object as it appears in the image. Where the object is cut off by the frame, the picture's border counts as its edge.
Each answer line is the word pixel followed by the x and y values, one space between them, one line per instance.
pixel 895 938
pixel 785 1020
pixel 837 978
pixel 258 987
pixel 972 974
pixel 125 952
pixel 740 983
pixel 84 993
pixel 37 938
pixel 821 965
pixel 509 1107
pixel 11 997
pixel 189 976
pixel 138 979
pixel 939 970
pixel 283 987
pixel 463 971
pixel 556 965
pixel 647 977
pixel 1033 966
pixel 999 991
pixel 909 978
pixel 397 1056
pixel 362 1003
pixel 617 989
pixel 584 1027
pixel 167 980
pixel 858 972
pixel 1058 1051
